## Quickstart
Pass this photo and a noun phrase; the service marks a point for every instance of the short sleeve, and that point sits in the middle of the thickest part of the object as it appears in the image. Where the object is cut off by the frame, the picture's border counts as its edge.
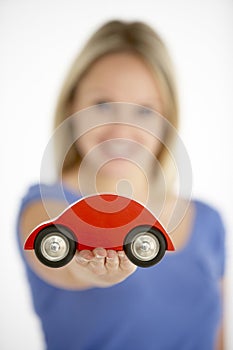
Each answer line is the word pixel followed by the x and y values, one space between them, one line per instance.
pixel 38 192
pixel 220 246
pixel 31 195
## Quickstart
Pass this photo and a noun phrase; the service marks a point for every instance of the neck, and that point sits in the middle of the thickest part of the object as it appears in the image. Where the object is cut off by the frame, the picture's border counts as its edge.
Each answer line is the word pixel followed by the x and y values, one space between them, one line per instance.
pixel 135 185
pixel 130 184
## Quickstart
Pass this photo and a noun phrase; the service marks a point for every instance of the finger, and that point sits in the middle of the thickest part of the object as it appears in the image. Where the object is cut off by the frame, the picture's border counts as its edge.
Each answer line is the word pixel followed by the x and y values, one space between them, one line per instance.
pixel 84 257
pixel 124 263
pixel 99 253
pixel 112 261
pixel 97 264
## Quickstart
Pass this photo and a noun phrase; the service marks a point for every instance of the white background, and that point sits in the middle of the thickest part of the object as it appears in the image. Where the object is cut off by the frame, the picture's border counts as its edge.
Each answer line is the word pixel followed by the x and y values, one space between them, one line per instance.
pixel 38 41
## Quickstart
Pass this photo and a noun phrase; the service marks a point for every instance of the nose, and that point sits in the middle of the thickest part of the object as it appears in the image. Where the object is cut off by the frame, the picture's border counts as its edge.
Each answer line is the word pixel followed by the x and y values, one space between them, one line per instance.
pixel 121 126
pixel 120 131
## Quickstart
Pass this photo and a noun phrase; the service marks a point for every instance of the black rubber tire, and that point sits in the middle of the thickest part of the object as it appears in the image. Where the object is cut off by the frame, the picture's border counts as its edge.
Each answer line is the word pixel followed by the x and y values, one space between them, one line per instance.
pixel 129 239
pixel 63 231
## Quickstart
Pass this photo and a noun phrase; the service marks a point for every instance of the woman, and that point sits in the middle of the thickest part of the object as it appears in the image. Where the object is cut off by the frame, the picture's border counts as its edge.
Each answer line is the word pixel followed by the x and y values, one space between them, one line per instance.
pixel 100 300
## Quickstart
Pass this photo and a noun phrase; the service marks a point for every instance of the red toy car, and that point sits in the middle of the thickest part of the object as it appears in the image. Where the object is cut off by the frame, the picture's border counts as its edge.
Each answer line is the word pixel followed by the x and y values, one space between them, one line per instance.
pixel 106 220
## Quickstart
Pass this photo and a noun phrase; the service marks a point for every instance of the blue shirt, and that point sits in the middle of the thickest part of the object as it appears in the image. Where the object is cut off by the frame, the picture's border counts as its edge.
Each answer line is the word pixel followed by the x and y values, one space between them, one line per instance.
pixel 174 305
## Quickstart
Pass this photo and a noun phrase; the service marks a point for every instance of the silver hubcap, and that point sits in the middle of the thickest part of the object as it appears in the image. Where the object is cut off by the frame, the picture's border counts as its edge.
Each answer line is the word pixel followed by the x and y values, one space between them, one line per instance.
pixel 54 246
pixel 145 246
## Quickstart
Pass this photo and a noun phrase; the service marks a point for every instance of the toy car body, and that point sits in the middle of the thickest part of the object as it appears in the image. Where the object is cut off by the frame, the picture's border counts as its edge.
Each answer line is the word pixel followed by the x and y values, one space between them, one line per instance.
pixel 105 220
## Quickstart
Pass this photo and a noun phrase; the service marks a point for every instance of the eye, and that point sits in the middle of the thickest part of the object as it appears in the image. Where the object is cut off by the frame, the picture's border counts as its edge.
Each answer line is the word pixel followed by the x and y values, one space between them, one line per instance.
pixel 104 105
pixel 144 111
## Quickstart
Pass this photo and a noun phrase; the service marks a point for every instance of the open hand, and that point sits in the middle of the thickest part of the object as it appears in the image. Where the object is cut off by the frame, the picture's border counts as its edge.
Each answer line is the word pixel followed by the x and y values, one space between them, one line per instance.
pixel 105 267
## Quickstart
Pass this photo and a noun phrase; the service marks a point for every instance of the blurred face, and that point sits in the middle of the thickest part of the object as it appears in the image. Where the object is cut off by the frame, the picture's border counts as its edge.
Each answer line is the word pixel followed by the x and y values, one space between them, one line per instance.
pixel 124 134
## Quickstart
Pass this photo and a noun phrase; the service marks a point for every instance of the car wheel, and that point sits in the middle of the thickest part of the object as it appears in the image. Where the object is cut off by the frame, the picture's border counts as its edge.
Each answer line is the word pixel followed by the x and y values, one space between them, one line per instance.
pixel 145 245
pixel 55 246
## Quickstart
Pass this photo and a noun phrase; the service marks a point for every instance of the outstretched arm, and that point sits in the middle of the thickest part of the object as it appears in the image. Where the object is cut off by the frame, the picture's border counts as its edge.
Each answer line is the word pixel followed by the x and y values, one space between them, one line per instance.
pixel 220 343
pixel 97 268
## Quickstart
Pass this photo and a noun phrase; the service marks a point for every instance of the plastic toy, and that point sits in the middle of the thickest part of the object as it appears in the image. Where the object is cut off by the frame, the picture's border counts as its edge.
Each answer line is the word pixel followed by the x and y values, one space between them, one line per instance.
pixel 106 220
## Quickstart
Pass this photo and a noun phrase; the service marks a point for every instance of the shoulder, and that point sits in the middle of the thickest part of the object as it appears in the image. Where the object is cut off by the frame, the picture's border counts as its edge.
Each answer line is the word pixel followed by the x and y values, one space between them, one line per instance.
pixel 208 213
pixel 39 203
pixel 210 227
pixel 43 192
pixel 38 190
pixel 210 231
pixel 204 205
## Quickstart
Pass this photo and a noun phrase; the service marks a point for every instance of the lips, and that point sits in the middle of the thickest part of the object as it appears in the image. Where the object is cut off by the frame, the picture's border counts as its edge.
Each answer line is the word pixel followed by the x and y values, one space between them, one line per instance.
pixel 119 148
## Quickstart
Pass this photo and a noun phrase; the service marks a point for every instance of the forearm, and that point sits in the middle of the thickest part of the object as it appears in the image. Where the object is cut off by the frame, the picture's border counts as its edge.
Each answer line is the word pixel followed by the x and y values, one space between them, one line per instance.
pixel 220 340
pixel 87 269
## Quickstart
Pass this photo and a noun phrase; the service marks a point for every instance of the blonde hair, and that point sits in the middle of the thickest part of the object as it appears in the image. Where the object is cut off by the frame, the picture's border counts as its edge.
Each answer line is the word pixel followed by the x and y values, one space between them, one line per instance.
pixel 118 36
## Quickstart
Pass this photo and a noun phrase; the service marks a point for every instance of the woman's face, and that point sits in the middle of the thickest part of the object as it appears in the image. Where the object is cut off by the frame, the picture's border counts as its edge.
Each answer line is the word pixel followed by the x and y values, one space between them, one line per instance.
pixel 118 77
